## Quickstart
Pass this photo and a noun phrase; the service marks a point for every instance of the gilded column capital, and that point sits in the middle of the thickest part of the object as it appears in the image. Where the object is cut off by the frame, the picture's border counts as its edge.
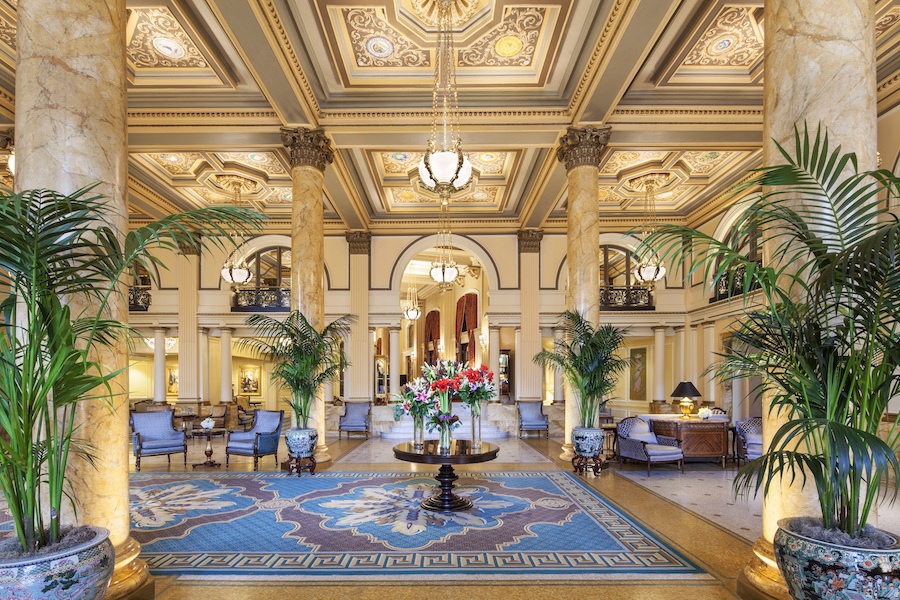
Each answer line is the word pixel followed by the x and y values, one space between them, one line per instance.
pixel 308 147
pixel 582 145
pixel 529 240
pixel 7 138
pixel 189 249
pixel 360 242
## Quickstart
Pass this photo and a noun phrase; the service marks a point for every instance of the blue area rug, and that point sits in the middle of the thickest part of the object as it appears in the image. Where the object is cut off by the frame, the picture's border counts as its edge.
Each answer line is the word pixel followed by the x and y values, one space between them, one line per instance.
pixel 369 525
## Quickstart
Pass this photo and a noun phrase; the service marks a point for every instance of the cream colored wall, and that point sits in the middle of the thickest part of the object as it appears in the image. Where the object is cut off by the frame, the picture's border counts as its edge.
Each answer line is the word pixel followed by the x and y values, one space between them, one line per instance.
pixel 140 378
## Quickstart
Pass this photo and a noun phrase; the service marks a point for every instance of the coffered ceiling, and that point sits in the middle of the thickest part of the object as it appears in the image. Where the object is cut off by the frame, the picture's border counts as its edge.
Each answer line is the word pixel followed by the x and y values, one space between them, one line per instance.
pixel 212 81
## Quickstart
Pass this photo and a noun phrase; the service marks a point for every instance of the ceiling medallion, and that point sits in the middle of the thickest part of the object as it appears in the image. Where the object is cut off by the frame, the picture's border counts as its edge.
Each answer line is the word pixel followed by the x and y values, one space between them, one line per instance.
pixel 379 47
pixel 460 11
pixel 508 46
pixel 236 184
pixel 168 47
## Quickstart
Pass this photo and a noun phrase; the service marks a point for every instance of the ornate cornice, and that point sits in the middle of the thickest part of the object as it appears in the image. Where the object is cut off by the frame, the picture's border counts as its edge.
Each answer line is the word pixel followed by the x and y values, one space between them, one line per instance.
pixel 600 48
pixel 583 145
pixel 360 242
pixel 188 249
pixel 308 147
pixel 529 240
pixel 256 116
pixel 7 138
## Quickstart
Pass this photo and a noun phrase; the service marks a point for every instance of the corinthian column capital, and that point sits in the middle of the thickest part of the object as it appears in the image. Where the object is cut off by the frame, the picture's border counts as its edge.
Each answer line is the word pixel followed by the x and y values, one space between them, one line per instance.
pixel 308 147
pixel 582 145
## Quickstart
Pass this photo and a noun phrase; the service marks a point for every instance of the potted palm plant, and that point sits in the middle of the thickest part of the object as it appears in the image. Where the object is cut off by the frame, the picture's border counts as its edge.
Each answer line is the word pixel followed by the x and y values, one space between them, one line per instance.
pixel 821 329
pixel 588 358
pixel 303 358
pixel 59 252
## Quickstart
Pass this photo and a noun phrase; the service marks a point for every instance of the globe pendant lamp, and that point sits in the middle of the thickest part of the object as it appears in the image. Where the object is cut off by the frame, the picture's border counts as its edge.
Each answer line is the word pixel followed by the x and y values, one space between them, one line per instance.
pixel 650 269
pixel 411 305
pixel 235 271
pixel 444 169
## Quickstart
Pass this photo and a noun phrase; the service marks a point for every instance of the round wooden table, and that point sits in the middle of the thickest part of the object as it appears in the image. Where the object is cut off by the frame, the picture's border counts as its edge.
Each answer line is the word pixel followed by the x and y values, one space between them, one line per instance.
pixel 208 434
pixel 461 453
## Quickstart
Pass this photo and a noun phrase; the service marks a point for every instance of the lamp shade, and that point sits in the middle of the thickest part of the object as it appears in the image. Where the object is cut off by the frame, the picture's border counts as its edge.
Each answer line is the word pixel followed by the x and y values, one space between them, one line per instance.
pixel 686 389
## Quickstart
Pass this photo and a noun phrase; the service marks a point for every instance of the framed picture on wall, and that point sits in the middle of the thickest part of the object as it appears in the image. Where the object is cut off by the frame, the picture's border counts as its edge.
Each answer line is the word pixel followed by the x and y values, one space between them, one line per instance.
pixel 637 382
pixel 248 381
pixel 171 381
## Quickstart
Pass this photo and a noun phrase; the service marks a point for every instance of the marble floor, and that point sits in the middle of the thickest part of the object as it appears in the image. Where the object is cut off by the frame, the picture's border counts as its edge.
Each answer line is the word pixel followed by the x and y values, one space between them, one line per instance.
pixel 718 550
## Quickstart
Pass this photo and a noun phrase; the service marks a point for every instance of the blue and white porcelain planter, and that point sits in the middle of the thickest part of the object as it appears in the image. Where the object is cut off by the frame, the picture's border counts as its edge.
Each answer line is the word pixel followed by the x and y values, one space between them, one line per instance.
pixel 301 442
pixel 81 571
pixel 816 570
pixel 587 441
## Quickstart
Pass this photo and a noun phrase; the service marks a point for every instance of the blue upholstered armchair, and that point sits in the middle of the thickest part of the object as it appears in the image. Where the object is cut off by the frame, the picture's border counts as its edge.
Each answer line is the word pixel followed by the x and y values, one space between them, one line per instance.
pixel 262 439
pixel 638 442
pixel 532 418
pixel 749 432
pixel 154 434
pixel 355 419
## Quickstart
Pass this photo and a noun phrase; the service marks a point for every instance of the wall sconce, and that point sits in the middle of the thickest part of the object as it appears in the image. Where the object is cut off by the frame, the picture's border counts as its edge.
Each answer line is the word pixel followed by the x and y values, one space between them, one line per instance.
pixel 483 342
pixel 687 392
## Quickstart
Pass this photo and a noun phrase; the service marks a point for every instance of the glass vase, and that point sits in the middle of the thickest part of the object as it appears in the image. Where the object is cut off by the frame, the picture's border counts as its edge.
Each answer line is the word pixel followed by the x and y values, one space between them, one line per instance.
pixel 476 427
pixel 444 440
pixel 418 432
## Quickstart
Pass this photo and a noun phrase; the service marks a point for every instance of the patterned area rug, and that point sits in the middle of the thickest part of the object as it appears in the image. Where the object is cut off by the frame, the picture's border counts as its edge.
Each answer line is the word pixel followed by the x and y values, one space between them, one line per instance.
pixel 369 525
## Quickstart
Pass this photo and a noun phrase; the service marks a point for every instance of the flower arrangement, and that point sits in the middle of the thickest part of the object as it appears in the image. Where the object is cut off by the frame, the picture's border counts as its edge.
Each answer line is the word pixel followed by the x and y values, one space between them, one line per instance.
pixel 704 413
pixel 442 384
pixel 208 423
pixel 476 386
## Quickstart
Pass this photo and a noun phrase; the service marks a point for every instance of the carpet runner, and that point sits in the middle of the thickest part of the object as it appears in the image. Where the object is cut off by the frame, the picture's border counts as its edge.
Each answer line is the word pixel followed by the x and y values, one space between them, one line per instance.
pixel 532 526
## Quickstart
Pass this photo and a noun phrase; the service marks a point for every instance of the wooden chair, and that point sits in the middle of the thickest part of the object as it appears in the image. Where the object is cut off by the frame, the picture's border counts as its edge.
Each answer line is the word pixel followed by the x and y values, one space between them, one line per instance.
pixel 638 442
pixel 155 434
pixel 532 418
pixel 356 419
pixel 261 440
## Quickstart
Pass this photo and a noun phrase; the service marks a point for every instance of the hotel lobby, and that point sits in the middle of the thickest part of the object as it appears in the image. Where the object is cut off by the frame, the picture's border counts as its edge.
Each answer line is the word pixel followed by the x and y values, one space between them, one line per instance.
pixel 577 125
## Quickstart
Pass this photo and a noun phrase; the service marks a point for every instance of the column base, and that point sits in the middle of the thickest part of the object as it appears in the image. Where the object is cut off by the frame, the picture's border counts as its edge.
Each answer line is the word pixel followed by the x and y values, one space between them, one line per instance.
pixel 322 454
pixel 761 579
pixel 131 579
pixel 568 452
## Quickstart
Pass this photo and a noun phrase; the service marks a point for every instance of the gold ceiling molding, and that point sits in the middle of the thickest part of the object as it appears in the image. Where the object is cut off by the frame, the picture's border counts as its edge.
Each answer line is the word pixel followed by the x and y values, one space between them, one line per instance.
pixel 176 163
pixel 531 116
pixel 510 44
pixel 702 162
pixel 686 116
pixel 460 11
pixel 265 161
pixel 613 23
pixel 139 188
pixel 277 28
pixel 141 116
pixel 8 34
pixel 887 21
pixel 619 160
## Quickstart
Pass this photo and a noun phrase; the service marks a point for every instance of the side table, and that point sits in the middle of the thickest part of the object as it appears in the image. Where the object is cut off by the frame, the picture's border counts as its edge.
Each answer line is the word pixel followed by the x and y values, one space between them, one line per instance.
pixel 208 433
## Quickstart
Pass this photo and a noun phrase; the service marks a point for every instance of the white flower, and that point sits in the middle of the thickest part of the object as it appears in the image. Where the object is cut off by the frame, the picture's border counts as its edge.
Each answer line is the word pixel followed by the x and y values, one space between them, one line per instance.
pixel 704 413
pixel 207 423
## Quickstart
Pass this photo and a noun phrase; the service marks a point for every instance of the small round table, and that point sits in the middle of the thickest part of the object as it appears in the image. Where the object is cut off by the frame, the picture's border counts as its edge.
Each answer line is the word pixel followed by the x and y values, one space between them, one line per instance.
pixel 461 453
pixel 208 434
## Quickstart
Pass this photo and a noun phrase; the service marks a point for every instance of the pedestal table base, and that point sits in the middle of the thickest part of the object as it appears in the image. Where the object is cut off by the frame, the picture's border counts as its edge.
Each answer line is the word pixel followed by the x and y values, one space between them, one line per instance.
pixel 446 500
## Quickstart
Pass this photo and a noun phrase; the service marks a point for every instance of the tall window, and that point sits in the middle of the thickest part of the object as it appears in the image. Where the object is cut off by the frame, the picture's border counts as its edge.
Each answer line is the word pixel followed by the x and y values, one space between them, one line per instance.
pixel 270 287
pixel 619 290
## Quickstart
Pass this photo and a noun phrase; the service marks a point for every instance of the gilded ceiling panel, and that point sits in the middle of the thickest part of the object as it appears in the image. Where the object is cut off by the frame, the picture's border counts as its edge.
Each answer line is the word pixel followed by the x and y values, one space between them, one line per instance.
pixel 267 162
pixel 400 197
pixel 511 44
pixel 621 160
pixel 158 40
pixel 375 43
pixel 7 33
pixel 734 40
pixel 402 163
pixel 887 21
pixel 703 162
pixel 175 163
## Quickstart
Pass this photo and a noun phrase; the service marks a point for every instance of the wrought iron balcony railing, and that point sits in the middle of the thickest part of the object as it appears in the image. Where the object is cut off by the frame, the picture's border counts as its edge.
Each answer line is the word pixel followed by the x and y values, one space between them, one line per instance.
pixel 633 297
pixel 262 300
pixel 139 298
pixel 732 284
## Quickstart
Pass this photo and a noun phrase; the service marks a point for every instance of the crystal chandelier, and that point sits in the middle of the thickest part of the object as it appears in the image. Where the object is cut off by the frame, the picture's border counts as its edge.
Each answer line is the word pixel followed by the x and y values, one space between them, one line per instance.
pixel 650 269
pixel 410 306
pixel 444 169
pixel 444 270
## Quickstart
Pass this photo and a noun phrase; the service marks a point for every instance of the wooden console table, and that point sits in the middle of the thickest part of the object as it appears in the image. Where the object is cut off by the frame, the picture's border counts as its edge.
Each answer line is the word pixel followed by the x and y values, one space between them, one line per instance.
pixel 698 439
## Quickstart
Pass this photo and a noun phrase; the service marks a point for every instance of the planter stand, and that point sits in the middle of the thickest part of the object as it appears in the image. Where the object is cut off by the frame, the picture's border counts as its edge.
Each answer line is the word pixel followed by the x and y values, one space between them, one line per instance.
pixel 581 463
pixel 298 463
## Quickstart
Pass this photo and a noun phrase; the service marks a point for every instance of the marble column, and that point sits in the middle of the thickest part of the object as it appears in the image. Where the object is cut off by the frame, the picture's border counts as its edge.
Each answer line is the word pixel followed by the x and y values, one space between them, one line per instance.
pixel 659 363
pixel 558 380
pixel 70 129
pixel 819 68
pixel 159 364
pixel 679 355
pixel 530 375
pixel 394 361
pixel 310 152
pixel 516 386
pixel 203 366
pixel 494 352
pixel 580 149
pixel 709 357
pixel 188 307
pixel 226 379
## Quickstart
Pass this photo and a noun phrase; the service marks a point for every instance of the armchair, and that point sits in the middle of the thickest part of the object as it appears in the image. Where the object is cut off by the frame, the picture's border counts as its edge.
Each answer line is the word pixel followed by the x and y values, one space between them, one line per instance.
pixel 218 413
pixel 532 418
pixel 155 434
pixel 638 442
pixel 749 432
pixel 262 439
pixel 355 419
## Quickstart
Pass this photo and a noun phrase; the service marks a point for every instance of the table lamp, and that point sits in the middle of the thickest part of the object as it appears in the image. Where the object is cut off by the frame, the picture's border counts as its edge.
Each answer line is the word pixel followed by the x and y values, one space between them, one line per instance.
pixel 687 392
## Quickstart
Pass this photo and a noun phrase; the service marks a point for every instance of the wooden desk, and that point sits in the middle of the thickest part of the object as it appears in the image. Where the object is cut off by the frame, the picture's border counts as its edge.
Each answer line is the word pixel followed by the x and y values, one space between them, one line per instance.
pixel 698 439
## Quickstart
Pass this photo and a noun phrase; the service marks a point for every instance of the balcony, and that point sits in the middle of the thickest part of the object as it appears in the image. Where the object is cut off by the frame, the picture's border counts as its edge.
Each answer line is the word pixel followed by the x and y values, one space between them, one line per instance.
pixel 139 298
pixel 732 284
pixel 262 300
pixel 631 297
